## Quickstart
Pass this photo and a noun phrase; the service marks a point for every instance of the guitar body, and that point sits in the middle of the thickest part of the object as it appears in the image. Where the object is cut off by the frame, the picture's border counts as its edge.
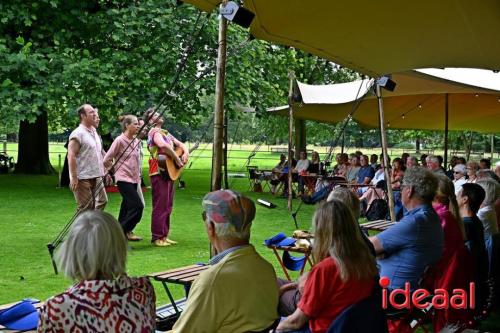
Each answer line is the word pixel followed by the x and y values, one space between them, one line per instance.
pixel 166 164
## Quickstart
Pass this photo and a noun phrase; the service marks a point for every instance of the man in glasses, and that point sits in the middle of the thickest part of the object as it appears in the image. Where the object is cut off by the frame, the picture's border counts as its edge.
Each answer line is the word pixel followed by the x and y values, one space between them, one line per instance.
pixel 416 241
pixel 238 293
pixel 459 172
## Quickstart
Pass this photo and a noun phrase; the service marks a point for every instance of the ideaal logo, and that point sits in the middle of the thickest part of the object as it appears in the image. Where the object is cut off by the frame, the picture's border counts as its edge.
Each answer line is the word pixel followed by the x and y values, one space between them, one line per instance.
pixel 441 298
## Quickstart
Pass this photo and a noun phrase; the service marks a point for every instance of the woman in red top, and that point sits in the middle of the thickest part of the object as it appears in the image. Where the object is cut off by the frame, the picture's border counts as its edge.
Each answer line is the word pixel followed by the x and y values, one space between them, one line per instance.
pixel 397 173
pixel 453 270
pixel 344 273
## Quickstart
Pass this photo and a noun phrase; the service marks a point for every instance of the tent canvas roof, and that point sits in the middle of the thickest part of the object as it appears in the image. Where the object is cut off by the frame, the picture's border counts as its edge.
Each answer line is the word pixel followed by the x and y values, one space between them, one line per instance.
pixel 418 101
pixel 380 37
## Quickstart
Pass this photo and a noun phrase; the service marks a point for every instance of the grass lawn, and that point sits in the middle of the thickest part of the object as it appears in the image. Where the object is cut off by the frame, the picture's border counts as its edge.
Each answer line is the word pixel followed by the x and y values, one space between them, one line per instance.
pixel 33 211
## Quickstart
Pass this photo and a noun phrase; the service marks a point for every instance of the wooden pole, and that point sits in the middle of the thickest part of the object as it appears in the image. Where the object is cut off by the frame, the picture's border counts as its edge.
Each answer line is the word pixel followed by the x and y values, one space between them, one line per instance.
pixel 384 152
pixel 446 132
pixel 291 76
pixel 217 155
pixel 226 123
pixel 492 146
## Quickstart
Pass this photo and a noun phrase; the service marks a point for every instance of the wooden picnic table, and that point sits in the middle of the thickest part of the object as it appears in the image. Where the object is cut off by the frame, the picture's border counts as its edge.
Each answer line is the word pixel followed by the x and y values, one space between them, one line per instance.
pixel 378 225
pixel 305 252
pixel 182 276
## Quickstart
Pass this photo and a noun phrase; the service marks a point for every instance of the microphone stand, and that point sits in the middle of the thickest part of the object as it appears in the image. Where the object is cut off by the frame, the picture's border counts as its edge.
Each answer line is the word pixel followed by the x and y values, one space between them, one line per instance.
pixel 294 215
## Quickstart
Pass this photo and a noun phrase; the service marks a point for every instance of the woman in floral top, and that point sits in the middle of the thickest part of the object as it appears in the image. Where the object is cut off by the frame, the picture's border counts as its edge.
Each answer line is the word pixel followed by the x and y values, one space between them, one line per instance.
pixel 104 299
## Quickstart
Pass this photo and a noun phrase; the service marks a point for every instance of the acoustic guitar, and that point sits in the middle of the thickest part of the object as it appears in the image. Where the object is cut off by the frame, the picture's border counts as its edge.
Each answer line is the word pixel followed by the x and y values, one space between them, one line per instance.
pixel 167 165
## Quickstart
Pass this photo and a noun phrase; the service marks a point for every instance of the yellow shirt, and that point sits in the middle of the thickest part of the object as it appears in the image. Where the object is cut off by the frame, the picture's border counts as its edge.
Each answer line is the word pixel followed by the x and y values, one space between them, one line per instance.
pixel 239 294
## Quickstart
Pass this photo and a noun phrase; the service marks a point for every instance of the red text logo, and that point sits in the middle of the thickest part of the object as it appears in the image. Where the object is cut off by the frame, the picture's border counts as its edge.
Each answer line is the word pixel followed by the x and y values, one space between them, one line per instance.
pixel 422 298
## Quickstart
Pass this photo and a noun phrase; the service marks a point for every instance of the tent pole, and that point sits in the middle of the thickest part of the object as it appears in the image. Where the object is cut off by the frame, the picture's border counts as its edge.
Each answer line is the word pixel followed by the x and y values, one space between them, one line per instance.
pixel 219 108
pixel 384 152
pixel 343 142
pixel 446 132
pixel 492 146
pixel 291 75
pixel 226 124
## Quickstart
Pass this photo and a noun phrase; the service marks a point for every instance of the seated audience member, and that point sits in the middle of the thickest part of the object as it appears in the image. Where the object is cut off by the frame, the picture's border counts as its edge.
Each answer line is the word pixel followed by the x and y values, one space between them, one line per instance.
pixel 346 196
pixel 238 293
pixel 453 162
pixel 487 173
pixel 453 270
pixel 411 162
pixel 432 163
pixel 446 206
pixel 104 299
pixel 461 160
pixel 302 163
pixel 486 212
pixel 277 172
pixel 472 167
pixel 469 200
pixel 416 241
pixel 484 163
pixel 342 165
pixel 423 160
pixel 373 162
pixel 290 291
pixel 404 158
pixel 366 172
pixel 300 167
pixel 397 173
pixel 313 168
pixel 314 165
pixel 459 179
pixel 344 273
pixel 375 192
pixel 353 168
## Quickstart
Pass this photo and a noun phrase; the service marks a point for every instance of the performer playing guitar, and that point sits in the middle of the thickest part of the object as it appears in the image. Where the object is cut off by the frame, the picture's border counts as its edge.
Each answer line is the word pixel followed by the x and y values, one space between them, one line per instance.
pixel 160 142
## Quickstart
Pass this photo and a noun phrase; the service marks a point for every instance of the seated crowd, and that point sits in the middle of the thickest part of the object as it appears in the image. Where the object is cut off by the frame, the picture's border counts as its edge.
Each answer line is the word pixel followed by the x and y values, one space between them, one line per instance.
pixel 445 239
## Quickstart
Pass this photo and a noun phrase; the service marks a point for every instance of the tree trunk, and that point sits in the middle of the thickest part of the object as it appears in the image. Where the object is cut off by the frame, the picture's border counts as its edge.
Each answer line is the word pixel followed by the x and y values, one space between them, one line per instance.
pixel 417 146
pixel 33 155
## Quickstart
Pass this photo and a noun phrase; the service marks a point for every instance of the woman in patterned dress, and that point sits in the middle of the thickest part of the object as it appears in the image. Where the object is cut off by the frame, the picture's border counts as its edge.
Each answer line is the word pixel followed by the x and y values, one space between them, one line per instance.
pixel 104 299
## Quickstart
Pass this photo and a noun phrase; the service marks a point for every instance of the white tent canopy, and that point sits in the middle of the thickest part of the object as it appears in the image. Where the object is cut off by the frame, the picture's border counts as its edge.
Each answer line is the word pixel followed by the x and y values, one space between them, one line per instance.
pixel 418 102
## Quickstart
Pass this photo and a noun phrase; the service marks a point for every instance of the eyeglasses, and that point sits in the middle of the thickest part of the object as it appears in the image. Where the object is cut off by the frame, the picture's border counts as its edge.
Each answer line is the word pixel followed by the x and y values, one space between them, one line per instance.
pixel 204 216
pixel 456 172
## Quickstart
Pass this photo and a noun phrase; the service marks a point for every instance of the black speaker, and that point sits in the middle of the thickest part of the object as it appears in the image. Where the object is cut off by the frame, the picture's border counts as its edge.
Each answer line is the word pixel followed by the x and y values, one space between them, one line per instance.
pixel 239 15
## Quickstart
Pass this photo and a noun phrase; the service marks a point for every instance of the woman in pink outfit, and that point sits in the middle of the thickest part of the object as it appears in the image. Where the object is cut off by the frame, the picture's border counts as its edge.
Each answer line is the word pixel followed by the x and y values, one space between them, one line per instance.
pixel 124 152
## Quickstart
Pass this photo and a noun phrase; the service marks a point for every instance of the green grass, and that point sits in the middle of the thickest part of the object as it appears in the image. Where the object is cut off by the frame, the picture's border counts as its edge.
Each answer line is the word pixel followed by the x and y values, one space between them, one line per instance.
pixel 33 211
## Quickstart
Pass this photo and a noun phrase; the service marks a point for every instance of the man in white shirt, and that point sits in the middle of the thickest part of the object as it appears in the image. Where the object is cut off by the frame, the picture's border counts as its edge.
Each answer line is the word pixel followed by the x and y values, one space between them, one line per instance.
pixel 85 160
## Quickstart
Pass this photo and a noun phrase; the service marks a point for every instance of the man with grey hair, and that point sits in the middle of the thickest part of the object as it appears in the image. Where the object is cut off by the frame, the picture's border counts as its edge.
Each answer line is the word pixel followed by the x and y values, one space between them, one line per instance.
pixel 432 163
pixel 238 293
pixel 416 241
pixel 411 162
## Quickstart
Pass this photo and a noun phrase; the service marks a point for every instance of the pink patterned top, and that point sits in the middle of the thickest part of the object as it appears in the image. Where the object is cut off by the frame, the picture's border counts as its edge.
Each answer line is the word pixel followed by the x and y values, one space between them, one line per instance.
pixel 122 305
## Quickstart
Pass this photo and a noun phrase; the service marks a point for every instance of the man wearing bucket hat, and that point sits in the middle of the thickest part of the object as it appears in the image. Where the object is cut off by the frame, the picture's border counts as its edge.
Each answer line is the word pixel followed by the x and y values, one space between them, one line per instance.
pixel 238 293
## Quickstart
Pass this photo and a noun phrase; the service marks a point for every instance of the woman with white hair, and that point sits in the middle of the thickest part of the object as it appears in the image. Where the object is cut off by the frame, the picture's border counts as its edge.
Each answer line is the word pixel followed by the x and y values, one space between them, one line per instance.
pixel 486 212
pixel 104 298
pixel 459 179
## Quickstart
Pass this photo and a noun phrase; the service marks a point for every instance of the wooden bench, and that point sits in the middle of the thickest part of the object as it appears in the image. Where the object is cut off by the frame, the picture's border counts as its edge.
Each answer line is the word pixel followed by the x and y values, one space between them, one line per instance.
pixel 37 306
pixel 379 225
pixel 182 276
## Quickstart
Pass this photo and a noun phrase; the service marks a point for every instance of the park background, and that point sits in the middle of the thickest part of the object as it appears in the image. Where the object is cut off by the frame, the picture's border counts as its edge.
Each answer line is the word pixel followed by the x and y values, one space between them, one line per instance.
pixel 123 57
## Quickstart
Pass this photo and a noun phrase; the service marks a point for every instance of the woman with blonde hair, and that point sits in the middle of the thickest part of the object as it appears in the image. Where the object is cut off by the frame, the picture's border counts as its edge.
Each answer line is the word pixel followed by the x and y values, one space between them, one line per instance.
pixel 104 299
pixel 125 153
pixel 344 274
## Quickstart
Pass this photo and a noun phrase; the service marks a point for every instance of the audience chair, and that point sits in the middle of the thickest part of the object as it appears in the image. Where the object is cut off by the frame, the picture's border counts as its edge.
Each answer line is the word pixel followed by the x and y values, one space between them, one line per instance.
pixel 253 177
